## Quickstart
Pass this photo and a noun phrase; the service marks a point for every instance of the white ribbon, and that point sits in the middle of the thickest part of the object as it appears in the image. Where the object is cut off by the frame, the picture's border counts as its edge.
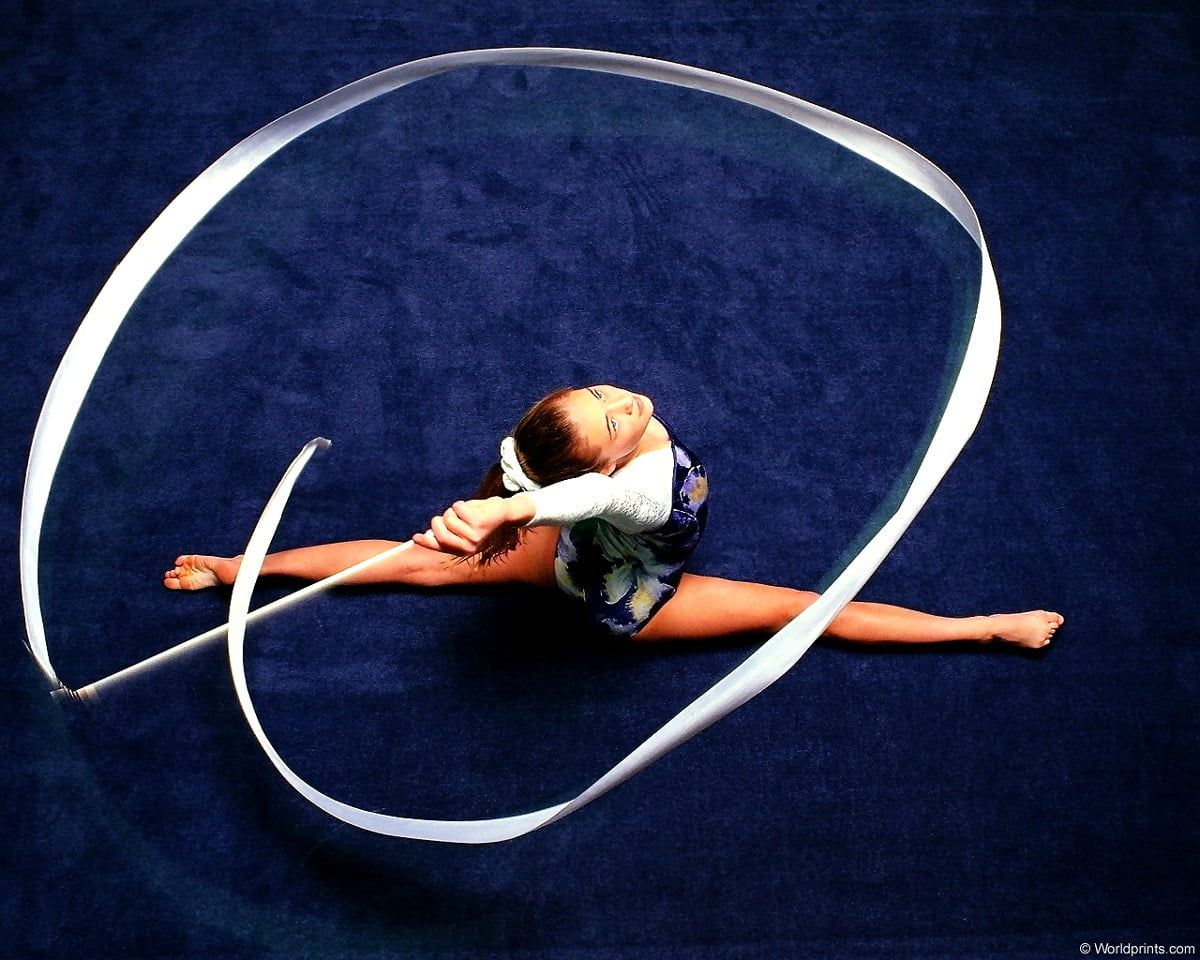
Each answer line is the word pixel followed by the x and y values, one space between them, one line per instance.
pixel 762 668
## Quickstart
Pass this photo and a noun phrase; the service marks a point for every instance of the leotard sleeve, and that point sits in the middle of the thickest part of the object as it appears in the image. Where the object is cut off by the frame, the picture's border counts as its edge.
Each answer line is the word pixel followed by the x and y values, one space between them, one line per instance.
pixel 635 499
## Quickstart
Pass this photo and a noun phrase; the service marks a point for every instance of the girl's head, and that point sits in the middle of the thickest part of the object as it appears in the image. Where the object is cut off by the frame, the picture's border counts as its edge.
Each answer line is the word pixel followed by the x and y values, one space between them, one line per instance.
pixel 610 420
pixel 568 432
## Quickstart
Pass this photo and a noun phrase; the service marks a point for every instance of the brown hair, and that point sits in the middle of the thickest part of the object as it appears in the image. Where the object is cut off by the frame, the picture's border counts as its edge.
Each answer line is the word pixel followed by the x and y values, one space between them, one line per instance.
pixel 549 449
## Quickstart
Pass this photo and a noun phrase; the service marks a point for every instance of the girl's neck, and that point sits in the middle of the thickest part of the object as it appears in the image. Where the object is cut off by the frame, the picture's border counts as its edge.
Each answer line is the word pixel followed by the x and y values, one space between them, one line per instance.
pixel 655 438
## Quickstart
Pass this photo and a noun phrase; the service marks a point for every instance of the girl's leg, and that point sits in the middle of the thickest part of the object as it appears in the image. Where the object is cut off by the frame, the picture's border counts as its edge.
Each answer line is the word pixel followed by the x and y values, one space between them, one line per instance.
pixel 707 607
pixel 531 562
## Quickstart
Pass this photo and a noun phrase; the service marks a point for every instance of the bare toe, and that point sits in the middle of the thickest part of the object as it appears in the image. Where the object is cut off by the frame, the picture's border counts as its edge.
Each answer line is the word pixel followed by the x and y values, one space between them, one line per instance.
pixel 194 572
pixel 1032 629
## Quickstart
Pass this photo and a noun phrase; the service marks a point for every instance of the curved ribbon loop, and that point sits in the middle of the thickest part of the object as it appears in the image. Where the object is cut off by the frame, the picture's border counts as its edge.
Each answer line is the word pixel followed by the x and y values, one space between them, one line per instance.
pixel 958 420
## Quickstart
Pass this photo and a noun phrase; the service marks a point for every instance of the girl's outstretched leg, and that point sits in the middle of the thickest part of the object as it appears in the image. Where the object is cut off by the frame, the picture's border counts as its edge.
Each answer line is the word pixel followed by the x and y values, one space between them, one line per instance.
pixel 197 571
pixel 532 561
pixel 707 607
pixel 865 622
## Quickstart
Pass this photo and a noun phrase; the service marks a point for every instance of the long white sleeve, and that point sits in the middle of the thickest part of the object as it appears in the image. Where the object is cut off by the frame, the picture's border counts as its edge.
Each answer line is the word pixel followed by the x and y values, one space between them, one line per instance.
pixel 635 499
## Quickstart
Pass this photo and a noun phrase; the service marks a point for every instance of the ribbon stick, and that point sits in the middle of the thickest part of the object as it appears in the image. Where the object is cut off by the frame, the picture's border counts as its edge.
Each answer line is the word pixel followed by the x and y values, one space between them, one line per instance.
pixel 97 689
pixel 957 421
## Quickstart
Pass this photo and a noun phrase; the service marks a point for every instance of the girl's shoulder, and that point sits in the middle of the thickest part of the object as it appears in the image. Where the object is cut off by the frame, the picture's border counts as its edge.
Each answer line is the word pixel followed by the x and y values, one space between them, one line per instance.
pixel 651 462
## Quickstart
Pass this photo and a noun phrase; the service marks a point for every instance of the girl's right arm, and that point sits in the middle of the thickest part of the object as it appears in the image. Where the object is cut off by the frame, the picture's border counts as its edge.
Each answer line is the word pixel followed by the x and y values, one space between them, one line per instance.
pixel 521 509
pixel 633 504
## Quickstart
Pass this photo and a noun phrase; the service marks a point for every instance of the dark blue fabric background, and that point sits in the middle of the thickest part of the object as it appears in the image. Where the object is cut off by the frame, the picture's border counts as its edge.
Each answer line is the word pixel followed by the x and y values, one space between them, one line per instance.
pixel 406 279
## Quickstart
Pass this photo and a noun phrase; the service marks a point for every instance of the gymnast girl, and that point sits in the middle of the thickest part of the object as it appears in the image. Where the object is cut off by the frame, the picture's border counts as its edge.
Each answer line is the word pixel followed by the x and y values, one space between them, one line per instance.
pixel 596 495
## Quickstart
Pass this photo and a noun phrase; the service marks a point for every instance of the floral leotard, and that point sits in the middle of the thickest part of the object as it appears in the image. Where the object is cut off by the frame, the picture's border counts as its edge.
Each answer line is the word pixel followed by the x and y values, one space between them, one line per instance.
pixel 622 578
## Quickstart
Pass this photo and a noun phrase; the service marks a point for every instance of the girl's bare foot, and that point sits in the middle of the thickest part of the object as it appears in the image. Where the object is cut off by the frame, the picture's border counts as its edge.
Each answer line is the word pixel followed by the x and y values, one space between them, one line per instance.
pixel 195 572
pixel 1031 629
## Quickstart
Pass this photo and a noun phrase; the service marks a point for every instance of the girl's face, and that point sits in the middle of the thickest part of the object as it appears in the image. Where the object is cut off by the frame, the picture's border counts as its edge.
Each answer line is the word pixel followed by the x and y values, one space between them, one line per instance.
pixel 610 418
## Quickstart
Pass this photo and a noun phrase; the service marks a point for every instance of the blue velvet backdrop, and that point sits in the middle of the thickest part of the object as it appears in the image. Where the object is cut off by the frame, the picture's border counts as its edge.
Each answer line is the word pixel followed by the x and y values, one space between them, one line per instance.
pixel 406 279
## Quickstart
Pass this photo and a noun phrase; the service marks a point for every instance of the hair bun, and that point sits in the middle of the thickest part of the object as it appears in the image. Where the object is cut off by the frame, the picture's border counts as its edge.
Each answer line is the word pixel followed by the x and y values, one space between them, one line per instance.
pixel 515 478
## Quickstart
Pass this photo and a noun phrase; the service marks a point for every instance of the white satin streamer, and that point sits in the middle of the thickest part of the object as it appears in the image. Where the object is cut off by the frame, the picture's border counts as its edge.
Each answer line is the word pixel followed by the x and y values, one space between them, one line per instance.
pixel 762 668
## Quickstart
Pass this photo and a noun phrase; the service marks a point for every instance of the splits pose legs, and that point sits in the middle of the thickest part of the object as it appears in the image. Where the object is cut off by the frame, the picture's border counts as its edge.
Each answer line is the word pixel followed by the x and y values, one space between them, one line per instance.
pixel 702 607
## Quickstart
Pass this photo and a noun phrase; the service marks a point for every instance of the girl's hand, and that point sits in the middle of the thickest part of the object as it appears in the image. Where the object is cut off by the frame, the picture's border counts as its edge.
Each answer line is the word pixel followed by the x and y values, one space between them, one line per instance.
pixel 465 525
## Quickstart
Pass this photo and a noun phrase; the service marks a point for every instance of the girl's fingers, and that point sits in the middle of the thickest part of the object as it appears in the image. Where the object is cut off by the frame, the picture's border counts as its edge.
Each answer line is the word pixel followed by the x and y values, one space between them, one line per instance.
pixel 468 510
pixel 449 538
pixel 428 540
pixel 456 524
pixel 457 529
